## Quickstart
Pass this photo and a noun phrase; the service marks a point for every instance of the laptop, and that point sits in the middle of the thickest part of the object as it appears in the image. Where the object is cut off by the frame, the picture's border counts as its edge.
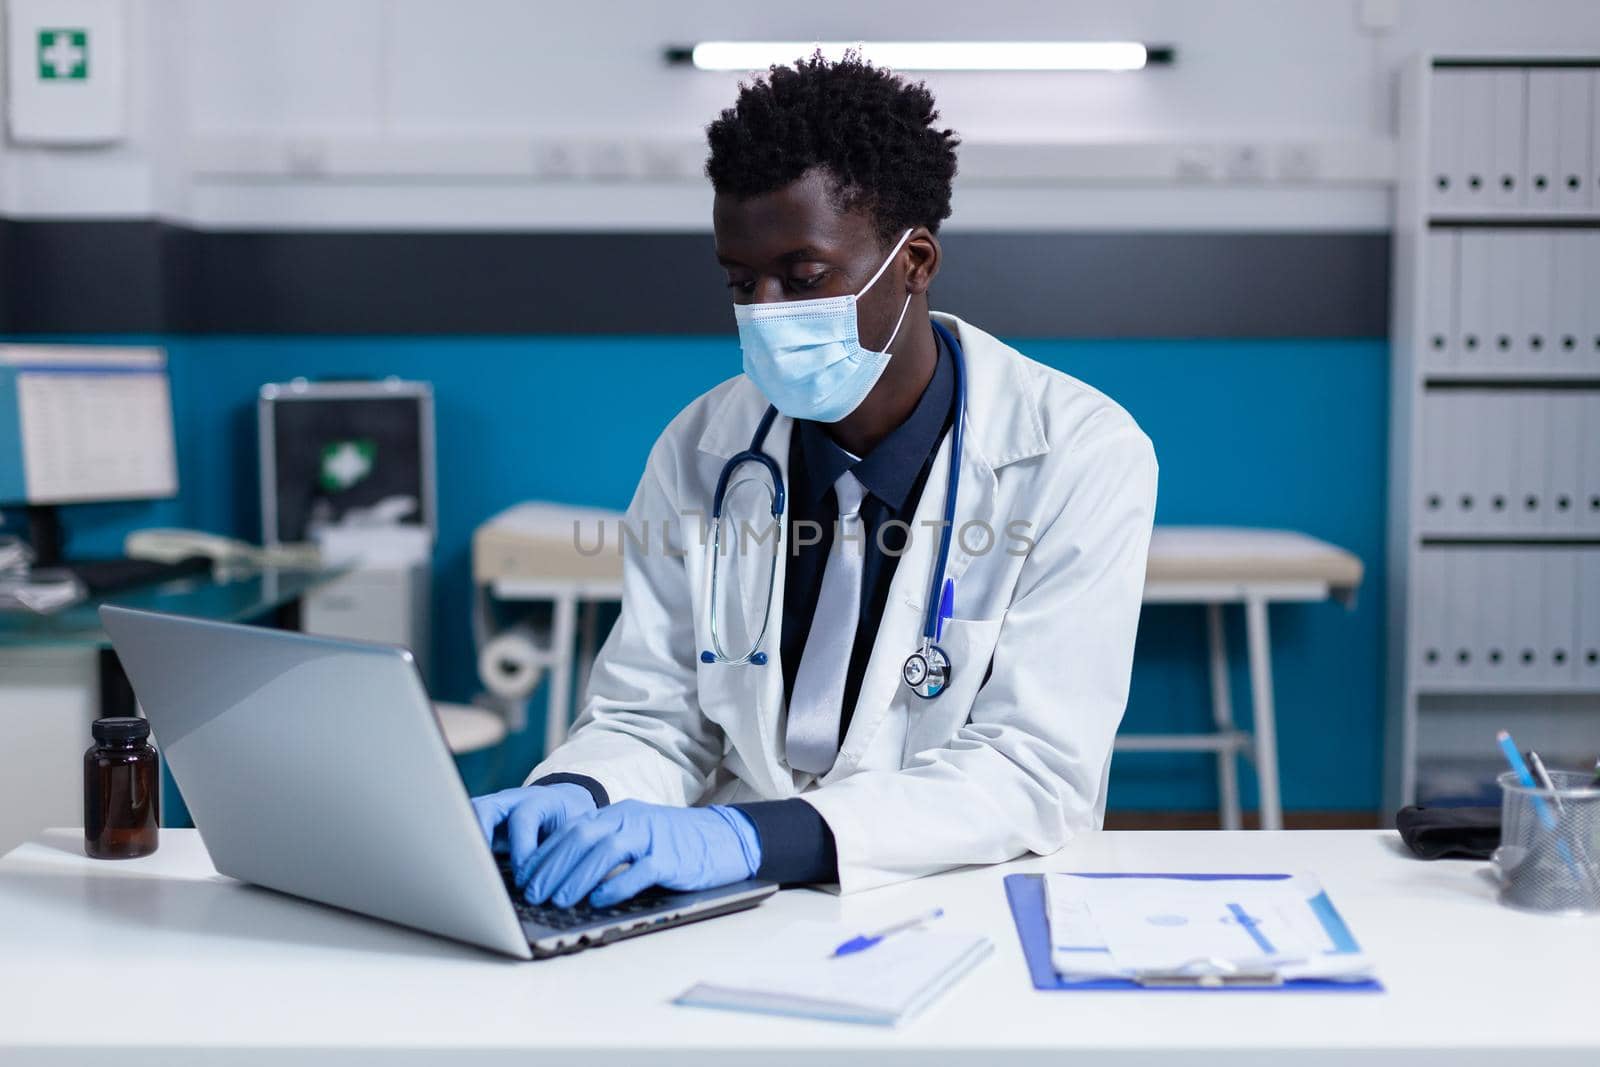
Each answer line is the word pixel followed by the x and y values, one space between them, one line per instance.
pixel 314 766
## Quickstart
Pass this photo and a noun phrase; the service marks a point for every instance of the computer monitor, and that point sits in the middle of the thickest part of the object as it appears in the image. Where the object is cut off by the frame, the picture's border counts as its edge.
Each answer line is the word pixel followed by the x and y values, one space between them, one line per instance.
pixel 80 424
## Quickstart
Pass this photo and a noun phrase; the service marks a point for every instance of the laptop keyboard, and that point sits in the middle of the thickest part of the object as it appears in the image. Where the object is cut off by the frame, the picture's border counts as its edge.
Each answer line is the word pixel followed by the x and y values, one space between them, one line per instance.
pixel 581 914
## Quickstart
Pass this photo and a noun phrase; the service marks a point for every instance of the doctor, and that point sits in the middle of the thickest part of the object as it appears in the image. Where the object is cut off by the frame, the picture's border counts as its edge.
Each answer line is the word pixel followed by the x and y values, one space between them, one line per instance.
pixel 797 739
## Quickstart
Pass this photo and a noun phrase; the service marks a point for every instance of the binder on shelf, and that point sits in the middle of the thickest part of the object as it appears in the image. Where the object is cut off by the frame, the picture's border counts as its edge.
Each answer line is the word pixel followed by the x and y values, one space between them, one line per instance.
pixel 1560 617
pixel 1477 97
pixel 1594 140
pixel 1589 342
pixel 1569 299
pixel 1575 138
pixel 1444 139
pixel 1531 346
pixel 1487 472
pixel 1508 133
pixel 1439 341
pixel 1539 175
pixel 1456 460
pixel 1470 452
pixel 1527 616
pixel 1433 490
pixel 1461 622
pixel 1496 428
pixel 1588 502
pixel 1533 459
pixel 1494 633
pixel 1482 424
pixel 1563 485
pixel 1428 608
pixel 1471 615
pixel 1501 346
pixel 1588 650
pixel 1472 297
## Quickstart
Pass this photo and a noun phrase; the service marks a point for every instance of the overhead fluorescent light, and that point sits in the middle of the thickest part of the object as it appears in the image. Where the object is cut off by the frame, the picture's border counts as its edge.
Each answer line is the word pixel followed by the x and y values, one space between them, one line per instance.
pixel 929 55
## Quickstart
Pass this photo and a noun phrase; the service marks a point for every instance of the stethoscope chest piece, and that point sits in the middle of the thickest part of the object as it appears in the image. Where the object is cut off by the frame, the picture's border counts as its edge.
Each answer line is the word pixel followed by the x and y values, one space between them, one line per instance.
pixel 927 671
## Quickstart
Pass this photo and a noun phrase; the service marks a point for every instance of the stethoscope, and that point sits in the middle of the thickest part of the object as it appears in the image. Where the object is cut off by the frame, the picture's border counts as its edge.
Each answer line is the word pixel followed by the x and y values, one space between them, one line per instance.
pixel 927 670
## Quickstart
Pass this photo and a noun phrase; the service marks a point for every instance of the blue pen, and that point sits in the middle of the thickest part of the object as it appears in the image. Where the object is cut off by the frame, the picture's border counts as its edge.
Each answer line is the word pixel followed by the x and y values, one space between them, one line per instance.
pixel 1519 767
pixel 862 942
pixel 947 607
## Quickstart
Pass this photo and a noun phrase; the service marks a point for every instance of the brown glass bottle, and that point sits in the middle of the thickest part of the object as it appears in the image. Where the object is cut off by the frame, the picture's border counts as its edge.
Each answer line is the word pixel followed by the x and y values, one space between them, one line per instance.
pixel 121 791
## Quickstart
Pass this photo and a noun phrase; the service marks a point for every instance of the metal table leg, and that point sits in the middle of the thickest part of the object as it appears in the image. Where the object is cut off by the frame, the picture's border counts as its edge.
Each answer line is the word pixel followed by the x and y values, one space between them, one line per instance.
pixel 563 632
pixel 1265 727
pixel 588 641
pixel 1222 715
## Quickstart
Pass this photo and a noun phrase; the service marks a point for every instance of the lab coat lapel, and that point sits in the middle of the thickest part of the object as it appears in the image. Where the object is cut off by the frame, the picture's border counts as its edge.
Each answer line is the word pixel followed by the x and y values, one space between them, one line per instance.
pixel 755 723
pixel 975 500
pixel 746 699
pixel 748 529
pixel 768 705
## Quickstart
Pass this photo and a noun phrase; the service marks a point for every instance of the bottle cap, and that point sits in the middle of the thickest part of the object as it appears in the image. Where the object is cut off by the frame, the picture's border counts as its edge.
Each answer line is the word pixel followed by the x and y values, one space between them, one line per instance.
pixel 121 729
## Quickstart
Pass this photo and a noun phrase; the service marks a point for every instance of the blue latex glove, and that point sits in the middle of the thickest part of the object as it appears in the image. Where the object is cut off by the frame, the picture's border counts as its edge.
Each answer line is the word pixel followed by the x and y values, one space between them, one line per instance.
pixel 678 848
pixel 516 821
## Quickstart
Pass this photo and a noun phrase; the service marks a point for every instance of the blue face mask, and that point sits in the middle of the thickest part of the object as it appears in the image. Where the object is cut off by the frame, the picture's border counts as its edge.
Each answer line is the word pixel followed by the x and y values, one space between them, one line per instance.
pixel 805 356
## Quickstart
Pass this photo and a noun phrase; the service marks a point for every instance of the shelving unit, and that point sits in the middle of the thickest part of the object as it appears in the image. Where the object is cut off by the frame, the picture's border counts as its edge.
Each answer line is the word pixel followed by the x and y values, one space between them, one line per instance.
pixel 1494 548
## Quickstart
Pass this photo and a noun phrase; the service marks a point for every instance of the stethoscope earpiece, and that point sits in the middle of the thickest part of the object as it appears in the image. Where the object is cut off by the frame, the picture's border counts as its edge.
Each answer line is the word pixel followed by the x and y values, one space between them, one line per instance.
pixel 758 658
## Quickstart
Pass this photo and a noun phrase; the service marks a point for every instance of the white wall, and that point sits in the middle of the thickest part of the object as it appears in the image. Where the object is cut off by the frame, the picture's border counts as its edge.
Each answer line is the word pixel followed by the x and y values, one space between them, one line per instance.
pixel 535 114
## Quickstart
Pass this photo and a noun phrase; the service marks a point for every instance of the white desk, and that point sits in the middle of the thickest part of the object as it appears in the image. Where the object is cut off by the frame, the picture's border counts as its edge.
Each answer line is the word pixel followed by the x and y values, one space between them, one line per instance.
pixel 176 965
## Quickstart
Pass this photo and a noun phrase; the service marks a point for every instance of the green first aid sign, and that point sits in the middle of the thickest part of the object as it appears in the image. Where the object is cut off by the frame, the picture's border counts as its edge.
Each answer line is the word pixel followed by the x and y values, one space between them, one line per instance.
pixel 63 55
pixel 345 463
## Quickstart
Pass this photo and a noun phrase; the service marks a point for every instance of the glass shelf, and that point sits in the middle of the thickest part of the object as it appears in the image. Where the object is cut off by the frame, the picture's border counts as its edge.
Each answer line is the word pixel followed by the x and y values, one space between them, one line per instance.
pixel 230 598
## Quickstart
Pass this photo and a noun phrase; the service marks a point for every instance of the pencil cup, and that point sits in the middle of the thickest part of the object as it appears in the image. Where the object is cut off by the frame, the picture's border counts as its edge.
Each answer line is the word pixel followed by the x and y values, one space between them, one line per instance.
pixel 1549 854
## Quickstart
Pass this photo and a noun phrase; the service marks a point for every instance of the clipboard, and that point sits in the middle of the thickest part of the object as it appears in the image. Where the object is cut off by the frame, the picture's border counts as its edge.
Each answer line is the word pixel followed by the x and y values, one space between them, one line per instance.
pixel 1025 893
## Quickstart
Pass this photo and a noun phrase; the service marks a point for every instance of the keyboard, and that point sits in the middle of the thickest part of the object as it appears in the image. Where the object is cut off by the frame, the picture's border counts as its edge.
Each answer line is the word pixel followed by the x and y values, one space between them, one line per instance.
pixel 556 931
pixel 582 913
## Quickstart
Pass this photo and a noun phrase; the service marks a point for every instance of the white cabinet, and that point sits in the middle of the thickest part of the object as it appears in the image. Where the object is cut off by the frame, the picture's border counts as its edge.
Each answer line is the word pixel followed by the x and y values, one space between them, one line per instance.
pixel 1495 431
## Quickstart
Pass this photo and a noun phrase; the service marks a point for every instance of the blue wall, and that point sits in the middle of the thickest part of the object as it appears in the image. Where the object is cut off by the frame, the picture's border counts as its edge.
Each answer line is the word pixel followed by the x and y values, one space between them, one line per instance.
pixel 1281 433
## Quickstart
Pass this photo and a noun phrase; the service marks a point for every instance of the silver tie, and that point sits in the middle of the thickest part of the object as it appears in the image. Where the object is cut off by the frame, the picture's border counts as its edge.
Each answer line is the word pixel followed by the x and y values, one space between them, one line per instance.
pixel 812 734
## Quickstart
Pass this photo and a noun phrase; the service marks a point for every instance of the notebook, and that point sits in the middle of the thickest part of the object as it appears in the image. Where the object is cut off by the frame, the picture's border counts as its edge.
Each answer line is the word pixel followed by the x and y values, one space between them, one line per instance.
pixel 795 974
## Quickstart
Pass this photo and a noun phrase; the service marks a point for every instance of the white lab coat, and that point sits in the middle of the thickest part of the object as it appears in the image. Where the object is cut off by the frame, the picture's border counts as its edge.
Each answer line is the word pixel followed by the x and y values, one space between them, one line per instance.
pixel 1013 757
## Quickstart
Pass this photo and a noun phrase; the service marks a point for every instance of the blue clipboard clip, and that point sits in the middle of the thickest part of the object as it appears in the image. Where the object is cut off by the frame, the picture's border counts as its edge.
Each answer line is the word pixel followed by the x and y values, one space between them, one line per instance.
pixel 1208 974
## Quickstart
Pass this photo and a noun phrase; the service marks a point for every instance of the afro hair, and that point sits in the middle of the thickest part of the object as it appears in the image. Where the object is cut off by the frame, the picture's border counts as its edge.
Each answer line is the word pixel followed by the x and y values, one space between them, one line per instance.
pixel 869 130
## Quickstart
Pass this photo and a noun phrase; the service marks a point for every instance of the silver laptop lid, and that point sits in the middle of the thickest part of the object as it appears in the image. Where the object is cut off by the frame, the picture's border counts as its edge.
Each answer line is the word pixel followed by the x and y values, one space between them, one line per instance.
pixel 315 766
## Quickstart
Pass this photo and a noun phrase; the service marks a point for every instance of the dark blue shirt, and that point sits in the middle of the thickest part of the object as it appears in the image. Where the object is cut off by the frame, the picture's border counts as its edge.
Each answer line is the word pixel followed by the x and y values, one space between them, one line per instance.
pixel 796 844
pixel 893 474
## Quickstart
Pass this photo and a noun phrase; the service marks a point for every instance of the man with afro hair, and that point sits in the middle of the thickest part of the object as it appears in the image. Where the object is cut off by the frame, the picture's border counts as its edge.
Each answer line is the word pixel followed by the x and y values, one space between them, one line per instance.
pixel 808 734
